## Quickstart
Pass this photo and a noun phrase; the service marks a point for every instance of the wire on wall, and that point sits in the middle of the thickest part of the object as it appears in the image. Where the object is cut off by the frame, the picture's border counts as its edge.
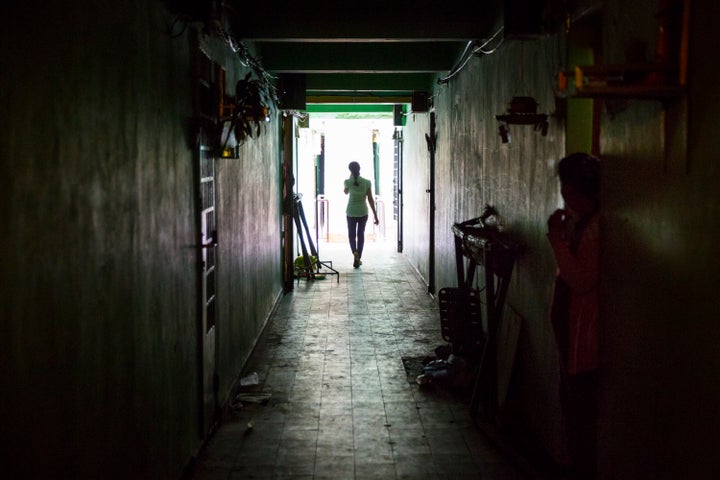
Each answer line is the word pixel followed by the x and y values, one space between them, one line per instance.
pixel 471 49
pixel 210 18
pixel 246 59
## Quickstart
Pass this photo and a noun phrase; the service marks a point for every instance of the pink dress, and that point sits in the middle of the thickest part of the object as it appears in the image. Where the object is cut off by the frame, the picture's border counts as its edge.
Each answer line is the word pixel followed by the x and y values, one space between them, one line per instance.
pixel 575 311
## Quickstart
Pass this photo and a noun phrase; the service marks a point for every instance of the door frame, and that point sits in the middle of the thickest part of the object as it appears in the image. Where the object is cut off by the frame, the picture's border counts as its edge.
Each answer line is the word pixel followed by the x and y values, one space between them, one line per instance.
pixel 432 147
pixel 398 161
pixel 207 338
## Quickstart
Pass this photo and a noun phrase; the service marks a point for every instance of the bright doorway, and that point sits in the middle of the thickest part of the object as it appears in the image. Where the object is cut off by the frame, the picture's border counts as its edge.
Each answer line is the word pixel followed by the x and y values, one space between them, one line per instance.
pixel 326 144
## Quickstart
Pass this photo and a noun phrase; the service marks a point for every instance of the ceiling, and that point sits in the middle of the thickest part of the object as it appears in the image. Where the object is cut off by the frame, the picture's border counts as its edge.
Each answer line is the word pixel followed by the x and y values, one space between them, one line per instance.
pixel 357 52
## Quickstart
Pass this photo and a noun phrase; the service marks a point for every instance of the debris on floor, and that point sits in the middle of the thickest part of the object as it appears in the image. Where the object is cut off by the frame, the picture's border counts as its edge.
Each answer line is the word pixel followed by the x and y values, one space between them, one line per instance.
pixel 252 397
pixel 251 379
pixel 444 369
pixel 441 370
pixel 414 365
pixel 249 393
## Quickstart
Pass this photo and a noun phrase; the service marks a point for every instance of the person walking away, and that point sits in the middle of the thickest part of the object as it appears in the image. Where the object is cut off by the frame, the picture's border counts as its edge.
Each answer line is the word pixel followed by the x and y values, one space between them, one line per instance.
pixel 360 196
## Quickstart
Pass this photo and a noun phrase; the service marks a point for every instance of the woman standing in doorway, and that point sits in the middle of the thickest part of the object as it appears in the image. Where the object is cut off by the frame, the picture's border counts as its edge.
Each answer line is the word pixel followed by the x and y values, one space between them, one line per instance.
pixel 358 189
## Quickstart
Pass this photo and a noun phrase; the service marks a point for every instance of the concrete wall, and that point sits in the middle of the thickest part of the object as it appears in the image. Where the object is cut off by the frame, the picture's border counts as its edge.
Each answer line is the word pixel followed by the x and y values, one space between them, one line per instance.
pixel 474 168
pixel 661 270
pixel 660 273
pixel 249 234
pixel 99 270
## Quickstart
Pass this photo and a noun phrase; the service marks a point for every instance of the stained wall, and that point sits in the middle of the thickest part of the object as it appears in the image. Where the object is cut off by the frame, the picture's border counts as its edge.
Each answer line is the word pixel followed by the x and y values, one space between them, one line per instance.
pixel 474 168
pixel 99 277
pixel 660 274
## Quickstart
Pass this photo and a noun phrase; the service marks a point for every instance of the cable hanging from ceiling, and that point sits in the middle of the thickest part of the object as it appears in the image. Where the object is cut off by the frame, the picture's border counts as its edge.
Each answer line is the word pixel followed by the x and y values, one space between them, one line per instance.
pixel 246 58
pixel 211 22
pixel 471 49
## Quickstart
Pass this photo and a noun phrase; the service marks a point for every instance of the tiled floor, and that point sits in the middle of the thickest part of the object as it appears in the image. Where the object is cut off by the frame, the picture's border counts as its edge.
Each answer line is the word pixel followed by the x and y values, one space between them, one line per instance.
pixel 342 405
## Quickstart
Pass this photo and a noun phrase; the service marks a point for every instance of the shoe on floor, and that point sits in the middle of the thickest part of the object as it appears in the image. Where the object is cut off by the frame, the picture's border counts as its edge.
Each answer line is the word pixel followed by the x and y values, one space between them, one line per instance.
pixel 356 261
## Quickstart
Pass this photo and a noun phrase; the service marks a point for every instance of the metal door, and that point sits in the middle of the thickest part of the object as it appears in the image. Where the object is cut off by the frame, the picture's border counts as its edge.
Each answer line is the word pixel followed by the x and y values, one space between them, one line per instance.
pixel 207 331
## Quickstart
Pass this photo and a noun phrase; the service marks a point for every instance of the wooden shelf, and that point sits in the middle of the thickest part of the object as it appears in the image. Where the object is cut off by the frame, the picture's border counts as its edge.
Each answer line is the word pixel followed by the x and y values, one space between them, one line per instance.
pixel 642 81
pixel 648 92
pixel 522 118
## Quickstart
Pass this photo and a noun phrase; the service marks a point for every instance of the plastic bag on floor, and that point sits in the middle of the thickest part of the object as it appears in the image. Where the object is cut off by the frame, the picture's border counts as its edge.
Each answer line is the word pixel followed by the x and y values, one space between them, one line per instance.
pixel 440 369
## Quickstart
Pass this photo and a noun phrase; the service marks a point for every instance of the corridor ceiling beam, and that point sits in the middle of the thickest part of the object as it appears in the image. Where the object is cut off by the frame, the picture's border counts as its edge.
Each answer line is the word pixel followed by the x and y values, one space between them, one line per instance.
pixel 362 50
pixel 358 99
pixel 390 82
pixel 416 57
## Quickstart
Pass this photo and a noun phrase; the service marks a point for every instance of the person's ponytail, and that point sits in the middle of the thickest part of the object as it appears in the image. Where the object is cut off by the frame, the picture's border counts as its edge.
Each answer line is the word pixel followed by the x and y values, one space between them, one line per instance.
pixel 355 171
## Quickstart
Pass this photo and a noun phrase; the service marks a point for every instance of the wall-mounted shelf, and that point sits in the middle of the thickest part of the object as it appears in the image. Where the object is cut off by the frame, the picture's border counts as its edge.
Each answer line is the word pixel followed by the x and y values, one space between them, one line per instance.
pixel 522 118
pixel 650 81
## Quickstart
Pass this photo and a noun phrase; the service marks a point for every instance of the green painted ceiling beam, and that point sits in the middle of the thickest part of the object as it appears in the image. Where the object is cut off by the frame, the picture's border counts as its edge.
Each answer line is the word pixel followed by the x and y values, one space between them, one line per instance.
pixel 358 99
pixel 349 108
pixel 374 51
pixel 373 97
pixel 416 57
pixel 392 83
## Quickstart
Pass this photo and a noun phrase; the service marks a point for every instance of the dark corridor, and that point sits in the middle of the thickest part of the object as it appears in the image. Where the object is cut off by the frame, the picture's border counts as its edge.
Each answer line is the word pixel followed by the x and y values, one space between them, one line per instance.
pixel 336 401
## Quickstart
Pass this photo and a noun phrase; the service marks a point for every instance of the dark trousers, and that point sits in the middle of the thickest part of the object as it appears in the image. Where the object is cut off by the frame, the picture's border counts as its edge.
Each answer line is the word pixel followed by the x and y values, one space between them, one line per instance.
pixel 356 233
pixel 578 394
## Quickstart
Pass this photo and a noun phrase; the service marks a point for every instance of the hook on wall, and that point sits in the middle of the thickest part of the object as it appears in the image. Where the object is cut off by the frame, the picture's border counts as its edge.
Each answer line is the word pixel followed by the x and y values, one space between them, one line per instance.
pixel 522 111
